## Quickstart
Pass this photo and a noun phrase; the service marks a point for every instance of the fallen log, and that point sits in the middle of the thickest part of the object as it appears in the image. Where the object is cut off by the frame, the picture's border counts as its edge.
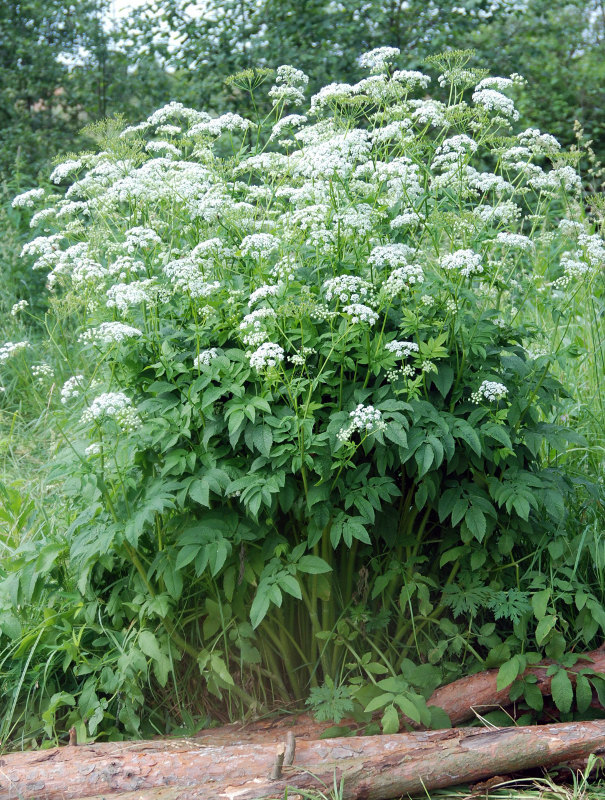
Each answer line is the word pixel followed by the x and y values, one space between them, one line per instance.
pixel 371 768
pixel 479 692
pixel 459 700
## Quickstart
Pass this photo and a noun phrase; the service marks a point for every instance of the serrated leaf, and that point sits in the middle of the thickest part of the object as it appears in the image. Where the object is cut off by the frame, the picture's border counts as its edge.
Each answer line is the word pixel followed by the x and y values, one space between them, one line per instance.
pixel 533 696
pixel 390 720
pixel 562 691
pixel 408 708
pixel 290 585
pixel 507 673
pixel 313 565
pixel 263 439
pixel 475 521
pixel 583 693
pixel 378 702
pixel 539 603
pixel 544 627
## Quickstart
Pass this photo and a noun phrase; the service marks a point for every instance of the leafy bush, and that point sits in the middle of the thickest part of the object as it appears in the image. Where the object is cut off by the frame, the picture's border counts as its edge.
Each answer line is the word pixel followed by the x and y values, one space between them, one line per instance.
pixel 306 430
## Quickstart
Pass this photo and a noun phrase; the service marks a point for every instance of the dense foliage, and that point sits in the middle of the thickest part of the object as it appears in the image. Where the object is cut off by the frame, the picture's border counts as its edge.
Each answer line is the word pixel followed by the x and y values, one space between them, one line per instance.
pixel 307 431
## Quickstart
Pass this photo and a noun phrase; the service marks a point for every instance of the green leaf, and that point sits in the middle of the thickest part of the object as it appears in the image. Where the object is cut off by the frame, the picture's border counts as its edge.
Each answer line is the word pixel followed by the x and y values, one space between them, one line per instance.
pixel 533 696
pixel 521 506
pixel 290 585
pixel 149 645
pixel 313 565
pixel 539 602
pixel 583 693
pixel 260 606
pixel 507 673
pixel 424 458
pixel 443 379
pixel 378 702
pixel 390 720
pixel 408 707
pixel 200 492
pixel 263 439
pixel 544 627
pixel 562 691
pixel 396 434
pixel 475 521
pixel 462 430
pixel 497 432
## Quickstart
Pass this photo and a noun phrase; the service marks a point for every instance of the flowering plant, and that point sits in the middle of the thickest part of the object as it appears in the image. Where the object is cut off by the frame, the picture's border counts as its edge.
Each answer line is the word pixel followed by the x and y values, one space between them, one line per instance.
pixel 306 403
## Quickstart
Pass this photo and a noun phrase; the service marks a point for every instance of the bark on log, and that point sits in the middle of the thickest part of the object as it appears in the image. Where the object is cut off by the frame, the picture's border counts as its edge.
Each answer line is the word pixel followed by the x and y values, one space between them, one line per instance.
pixel 479 691
pixel 372 767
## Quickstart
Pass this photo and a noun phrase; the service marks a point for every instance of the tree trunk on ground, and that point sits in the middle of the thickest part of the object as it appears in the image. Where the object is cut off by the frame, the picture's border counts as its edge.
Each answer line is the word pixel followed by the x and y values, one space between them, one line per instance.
pixel 480 692
pixel 372 767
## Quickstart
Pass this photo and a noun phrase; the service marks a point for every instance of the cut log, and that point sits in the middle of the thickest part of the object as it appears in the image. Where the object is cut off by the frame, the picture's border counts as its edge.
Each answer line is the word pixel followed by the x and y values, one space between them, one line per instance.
pixel 479 692
pixel 371 768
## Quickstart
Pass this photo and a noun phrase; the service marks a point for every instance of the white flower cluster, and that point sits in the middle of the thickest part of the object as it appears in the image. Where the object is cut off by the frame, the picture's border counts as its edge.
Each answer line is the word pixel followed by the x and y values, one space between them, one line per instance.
pixel 268 354
pixel 72 388
pixel 9 349
pixel 163 147
pixel 140 237
pixel 361 314
pixel 113 405
pixel 259 245
pixel 20 305
pixel 492 100
pixel 42 373
pixel 226 122
pixel 466 262
pixel 253 326
pixel 401 279
pixel 411 79
pixel 28 199
pixel 185 274
pixel 390 255
pixel 408 217
pixel 268 290
pixel 205 357
pixel 300 359
pixel 378 59
pixel 110 333
pixel 347 289
pixel 515 240
pixel 61 171
pixel 172 110
pixel 551 183
pixel 169 130
pixel 365 419
pixel 124 295
pixel 290 85
pixel 285 123
pixel 492 391
pixel 401 349
pixel 538 142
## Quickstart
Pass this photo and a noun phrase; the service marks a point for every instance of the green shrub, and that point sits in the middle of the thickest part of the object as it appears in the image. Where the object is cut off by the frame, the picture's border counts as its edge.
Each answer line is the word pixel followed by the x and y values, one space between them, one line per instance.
pixel 307 440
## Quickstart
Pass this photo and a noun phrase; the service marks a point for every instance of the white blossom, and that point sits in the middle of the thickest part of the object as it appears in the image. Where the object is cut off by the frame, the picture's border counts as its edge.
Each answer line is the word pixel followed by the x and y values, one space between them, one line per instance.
pixel 401 349
pixel 110 333
pixel 112 405
pixel 465 262
pixel 492 391
pixel 19 306
pixel 205 357
pixel 361 313
pixel 28 199
pixel 365 419
pixel 72 388
pixel 9 349
pixel 267 355
pixel 379 59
